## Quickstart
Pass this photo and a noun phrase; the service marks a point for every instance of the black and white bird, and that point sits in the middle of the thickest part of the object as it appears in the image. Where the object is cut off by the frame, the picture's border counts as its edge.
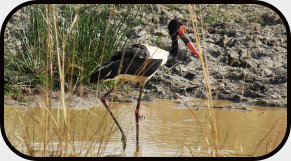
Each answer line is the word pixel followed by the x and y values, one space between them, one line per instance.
pixel 138 63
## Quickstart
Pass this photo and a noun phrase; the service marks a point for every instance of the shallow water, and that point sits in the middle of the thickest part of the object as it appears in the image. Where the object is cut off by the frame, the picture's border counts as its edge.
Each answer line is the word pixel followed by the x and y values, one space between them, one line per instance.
pixel 169 129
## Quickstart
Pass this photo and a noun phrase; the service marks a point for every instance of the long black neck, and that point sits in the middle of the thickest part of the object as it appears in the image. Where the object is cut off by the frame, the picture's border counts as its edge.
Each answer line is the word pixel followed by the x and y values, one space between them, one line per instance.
pixel 174 47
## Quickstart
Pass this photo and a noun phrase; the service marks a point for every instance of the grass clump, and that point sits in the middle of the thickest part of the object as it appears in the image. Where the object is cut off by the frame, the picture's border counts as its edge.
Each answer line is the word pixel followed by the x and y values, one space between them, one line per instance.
pixel 83 47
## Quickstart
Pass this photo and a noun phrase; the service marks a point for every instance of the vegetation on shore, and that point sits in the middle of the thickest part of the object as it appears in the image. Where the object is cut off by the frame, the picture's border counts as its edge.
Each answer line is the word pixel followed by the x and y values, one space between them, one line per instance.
pixel 85 42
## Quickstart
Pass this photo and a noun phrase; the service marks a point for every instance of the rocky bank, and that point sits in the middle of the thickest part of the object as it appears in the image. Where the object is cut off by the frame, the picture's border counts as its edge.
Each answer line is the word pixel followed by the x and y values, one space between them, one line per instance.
pixel 246 48
pixel 240 52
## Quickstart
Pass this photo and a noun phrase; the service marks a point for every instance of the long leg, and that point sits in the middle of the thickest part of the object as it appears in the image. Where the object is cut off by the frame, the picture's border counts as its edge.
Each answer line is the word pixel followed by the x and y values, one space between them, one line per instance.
pixel 123 136
pixel 137 116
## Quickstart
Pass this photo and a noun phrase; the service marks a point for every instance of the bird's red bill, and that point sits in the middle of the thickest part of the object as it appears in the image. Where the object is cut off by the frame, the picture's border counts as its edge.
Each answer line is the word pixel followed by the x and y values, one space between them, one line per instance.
pixel 192 48
pixel 187 41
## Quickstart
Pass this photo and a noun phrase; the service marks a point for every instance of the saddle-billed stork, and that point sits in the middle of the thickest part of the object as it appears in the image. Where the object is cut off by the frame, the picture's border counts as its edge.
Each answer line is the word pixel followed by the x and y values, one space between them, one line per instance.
pixel 138 63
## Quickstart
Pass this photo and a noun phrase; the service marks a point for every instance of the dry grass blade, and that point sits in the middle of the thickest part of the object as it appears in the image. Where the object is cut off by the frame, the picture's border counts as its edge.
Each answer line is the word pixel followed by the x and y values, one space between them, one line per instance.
pixel 25 134
pixel 48 54
pixel 48 111
pixel 243 87
pixel 267 134
pixel 199 123
pixel 207 84
pixel 61 74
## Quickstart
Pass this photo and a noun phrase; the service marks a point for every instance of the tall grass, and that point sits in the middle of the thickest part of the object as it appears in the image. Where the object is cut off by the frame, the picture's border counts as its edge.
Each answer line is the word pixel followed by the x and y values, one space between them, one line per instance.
pixel 58 47
pixel 90 41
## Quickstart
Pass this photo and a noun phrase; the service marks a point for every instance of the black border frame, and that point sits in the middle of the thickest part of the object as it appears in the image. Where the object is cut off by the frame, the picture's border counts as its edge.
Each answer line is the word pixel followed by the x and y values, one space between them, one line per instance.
pixel 141 2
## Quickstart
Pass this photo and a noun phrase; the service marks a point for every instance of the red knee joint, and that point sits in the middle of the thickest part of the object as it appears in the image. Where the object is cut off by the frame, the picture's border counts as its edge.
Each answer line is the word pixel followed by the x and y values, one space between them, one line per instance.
pixel 137 112
pixel 102 99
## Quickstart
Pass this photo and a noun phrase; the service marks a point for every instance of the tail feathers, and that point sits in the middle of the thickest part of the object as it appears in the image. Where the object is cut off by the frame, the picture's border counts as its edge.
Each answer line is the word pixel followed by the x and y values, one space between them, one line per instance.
pixel 102 74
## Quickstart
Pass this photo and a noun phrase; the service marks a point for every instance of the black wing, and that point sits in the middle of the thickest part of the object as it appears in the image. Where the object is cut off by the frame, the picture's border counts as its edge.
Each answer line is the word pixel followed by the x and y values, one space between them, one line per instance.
pixel 110 69
pixel 135 50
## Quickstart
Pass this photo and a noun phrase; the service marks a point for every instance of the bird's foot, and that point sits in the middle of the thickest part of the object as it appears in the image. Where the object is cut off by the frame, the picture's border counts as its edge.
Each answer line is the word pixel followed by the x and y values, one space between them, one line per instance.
pixel 139 115
pixel 136 154
pixel 123 140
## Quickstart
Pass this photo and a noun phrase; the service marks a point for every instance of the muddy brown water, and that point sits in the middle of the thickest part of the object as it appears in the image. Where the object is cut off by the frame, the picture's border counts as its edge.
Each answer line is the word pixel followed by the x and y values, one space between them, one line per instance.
pixel 169 129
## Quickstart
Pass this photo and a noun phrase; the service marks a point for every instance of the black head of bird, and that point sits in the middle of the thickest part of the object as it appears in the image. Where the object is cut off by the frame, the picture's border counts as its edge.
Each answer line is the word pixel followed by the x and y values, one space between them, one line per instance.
pixel 176 29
